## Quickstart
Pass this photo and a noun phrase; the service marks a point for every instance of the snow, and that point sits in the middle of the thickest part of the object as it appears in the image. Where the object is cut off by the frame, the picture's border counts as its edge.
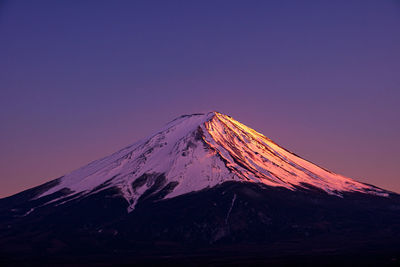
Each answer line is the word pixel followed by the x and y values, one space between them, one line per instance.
pixel 273 165
pixel 201 151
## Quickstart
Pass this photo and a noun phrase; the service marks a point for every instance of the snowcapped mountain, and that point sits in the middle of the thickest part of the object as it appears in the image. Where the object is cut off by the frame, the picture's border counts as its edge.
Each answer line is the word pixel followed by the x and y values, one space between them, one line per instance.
pixel 200 151
pixel 205 182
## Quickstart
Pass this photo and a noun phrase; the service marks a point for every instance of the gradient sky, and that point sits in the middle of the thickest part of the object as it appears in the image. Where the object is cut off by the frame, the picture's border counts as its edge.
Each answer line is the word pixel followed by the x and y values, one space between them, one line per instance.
pixel 82 79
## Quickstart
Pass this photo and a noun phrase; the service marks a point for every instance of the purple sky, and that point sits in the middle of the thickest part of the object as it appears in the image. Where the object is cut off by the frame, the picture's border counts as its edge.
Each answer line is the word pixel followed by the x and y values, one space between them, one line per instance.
pixel 82 79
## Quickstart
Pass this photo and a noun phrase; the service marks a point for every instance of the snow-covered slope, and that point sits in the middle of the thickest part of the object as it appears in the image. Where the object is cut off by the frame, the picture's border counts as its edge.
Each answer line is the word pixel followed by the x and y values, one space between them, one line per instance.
pixel 199 151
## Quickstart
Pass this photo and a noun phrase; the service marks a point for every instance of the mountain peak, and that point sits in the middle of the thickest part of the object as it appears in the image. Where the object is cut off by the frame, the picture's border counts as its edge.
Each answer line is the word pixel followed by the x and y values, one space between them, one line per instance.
pixel 205 116
pixel 199 151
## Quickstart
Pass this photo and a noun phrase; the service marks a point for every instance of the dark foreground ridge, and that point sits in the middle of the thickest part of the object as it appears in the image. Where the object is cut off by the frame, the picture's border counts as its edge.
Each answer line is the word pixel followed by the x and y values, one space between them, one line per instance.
pixel 233 223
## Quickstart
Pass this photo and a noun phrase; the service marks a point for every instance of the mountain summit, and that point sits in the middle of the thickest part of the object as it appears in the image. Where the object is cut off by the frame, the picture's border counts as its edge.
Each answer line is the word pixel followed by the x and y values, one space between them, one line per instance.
pixel 199 151
pixel 204 189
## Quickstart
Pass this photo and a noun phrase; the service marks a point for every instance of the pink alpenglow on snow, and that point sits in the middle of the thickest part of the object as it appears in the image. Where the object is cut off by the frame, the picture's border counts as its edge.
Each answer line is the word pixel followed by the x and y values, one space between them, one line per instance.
pixel 201 151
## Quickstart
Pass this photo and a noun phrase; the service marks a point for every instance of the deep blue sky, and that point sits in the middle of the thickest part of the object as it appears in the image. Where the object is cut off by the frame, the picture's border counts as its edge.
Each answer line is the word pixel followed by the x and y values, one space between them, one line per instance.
pixel 81 79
